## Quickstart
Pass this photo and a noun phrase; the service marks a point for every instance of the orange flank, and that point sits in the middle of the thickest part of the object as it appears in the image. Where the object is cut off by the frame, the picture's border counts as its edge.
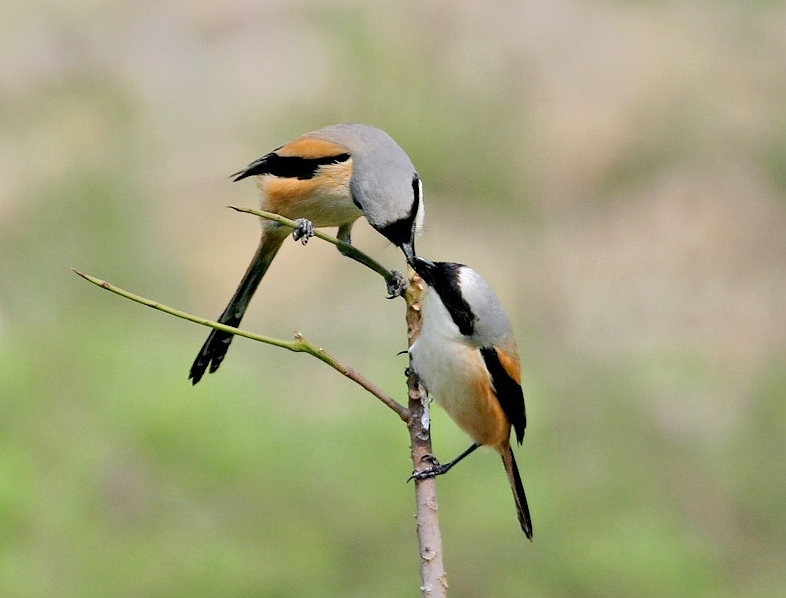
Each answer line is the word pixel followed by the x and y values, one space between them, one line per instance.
pixel 311 147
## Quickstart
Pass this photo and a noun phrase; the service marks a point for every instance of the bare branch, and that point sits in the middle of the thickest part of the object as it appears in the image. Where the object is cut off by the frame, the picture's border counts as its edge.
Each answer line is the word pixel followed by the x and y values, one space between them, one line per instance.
pixel 416 415
pixel 432 569
pixel 345 248
pixel 298 345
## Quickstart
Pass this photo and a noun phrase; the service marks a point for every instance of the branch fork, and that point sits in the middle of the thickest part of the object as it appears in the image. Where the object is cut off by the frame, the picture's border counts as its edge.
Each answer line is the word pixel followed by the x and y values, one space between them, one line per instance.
pixel 415 414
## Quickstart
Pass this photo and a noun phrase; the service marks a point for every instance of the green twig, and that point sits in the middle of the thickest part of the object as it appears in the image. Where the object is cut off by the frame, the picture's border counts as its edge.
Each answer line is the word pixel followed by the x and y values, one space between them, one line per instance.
pixel 298 345
pixel 345 248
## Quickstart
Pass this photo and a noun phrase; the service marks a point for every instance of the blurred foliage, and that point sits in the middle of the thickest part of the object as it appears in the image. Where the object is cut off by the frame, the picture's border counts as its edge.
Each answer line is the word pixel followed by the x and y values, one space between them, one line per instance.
pixel 615 169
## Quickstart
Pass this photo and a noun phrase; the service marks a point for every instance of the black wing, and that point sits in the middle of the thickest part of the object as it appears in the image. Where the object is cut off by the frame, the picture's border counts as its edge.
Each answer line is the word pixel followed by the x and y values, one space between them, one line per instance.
pixel 508 391
pixel 290 167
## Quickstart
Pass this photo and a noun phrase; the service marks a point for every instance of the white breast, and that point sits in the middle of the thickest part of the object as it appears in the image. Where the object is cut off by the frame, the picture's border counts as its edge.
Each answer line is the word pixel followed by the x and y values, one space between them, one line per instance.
pixel 449 367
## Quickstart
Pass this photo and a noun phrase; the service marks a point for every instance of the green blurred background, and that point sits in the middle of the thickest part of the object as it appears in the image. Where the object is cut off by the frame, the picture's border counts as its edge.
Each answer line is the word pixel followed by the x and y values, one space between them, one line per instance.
pixel 616 170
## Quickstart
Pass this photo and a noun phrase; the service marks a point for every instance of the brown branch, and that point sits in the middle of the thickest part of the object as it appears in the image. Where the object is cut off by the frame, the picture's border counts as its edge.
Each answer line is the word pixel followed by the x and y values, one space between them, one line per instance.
pixel 432 569
pixel 298 345
pixel 415 415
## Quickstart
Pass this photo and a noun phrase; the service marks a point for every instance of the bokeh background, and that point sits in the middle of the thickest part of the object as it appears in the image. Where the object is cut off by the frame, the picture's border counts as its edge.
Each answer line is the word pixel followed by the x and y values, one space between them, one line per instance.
pixel 616 170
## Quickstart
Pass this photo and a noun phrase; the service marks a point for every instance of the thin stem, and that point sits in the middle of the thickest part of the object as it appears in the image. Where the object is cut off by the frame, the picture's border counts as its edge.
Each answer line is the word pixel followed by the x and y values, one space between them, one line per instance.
pixel 345 248
pixel 298 345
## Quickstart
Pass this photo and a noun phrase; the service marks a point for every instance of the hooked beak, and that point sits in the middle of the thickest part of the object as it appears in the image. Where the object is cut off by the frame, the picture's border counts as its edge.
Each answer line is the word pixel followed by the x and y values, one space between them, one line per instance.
pixel 425 268
pixel 408 248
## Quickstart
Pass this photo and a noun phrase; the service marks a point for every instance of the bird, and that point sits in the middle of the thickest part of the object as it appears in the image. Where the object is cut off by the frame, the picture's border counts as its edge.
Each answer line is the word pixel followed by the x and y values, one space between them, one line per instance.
pixel 467 359
pixel 328 177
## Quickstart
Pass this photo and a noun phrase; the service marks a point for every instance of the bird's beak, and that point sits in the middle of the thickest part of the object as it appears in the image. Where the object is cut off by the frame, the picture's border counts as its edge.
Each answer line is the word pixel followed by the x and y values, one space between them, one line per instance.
pixel 409 251
pixel 425 268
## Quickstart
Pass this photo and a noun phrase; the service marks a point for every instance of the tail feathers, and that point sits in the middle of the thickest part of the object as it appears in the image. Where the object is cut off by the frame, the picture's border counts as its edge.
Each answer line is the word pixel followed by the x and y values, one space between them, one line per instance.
pixel 217 344
pixel 522 509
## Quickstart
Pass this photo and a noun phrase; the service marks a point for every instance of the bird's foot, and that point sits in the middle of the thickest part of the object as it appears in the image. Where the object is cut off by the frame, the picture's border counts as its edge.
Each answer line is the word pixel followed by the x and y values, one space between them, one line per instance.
pixel 397 284
pixel 304 231
pixel 436 469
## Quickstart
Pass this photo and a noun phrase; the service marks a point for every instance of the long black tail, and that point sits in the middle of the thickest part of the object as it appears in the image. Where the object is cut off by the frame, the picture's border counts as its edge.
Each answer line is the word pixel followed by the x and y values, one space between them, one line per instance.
pixel 522 509
pixel 216 346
